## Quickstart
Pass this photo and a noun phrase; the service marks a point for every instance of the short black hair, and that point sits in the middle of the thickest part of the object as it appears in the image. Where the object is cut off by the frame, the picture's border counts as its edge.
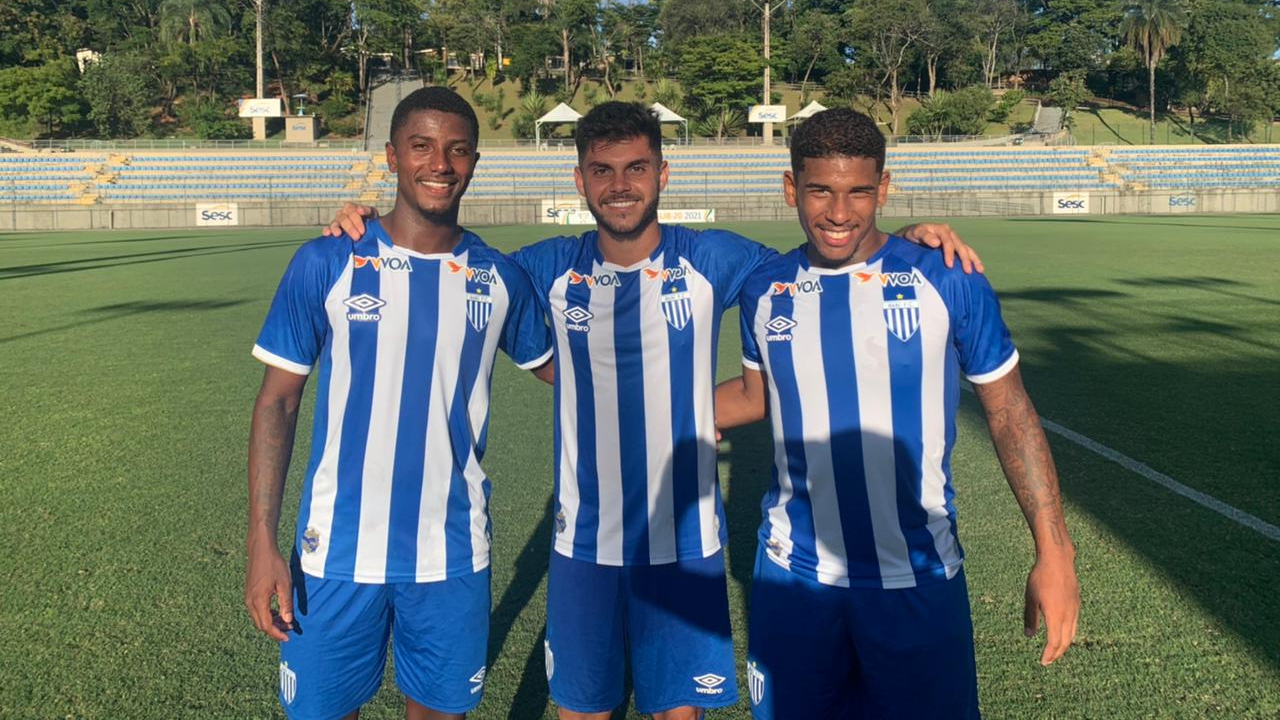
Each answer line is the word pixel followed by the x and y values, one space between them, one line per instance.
pixel 615 121
pixel 840 132
pixel 440 99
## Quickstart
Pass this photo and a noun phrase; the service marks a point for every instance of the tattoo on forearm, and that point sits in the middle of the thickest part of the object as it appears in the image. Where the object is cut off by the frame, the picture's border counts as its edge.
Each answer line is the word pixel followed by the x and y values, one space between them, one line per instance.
pixel 1024 455
pixel 269 454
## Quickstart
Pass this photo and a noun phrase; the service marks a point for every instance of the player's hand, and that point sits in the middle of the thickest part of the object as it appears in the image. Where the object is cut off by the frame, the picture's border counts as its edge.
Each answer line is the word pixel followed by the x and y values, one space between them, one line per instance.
pixel 350 220
pixel 267 577
pixel 1053 593
pixel 940 235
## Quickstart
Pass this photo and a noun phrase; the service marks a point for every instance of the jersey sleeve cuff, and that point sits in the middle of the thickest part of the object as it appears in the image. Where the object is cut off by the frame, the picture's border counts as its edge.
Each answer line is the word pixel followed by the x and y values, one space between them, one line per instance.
pixel 992 376
pixel 275 361
pixel 537 362
pixel 749 363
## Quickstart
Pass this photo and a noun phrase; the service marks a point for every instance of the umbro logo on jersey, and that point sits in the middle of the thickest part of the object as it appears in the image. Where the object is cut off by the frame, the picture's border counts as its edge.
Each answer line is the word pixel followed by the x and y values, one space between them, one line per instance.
pixel 477 681
pixel 484 276
pixel 577 317
pixel 591 281
pixel 364 305
pixel 709 684
pixel 755 679
pixel 801 287
pixel 778 329
pixel 288 684
pixel 898 279
pixel 667 274
pixel 390 263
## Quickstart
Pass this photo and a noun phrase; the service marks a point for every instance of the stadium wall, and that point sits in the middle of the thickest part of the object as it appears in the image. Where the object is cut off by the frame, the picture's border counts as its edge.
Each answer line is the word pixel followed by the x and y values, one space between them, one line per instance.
pixel 728 208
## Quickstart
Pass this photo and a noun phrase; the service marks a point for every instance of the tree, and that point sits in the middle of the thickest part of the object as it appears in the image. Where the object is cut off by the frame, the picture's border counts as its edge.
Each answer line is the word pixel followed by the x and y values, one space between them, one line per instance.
pixel 963 112
pixel 119 95
pixel 1151 27
pixel 813 35
pixel 192 20
pixel 994 20
pixel 721 73
pixel 1219 51
pixel 886 32
pixel 1067 91
pixel 39 97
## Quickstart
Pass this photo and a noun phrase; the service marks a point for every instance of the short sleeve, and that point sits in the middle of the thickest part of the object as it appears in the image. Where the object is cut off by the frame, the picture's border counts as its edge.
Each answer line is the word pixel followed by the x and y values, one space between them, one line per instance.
pixel 984 346
pixel 750 350
pixel 540 262
pixel 729 259
pixel 296 326
pixel 526 337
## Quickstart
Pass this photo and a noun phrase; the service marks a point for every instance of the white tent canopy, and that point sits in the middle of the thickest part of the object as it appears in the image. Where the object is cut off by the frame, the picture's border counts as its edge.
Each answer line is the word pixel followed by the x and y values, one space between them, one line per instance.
pixel 559 114
pixel 808 111
pixel 666 115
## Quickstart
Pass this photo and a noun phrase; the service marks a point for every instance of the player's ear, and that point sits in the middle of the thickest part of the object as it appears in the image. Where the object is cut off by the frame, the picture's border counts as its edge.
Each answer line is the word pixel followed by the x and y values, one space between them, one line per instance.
pixel 663 175
pixel 577 180
pixel 391 156
pixel 789 187
pixel 882 193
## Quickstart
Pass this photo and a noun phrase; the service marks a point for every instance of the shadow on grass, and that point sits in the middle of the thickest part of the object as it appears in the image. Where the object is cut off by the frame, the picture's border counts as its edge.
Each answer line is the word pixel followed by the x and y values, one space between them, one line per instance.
pixel 117 311
pixel 21 271
pixel 1128 220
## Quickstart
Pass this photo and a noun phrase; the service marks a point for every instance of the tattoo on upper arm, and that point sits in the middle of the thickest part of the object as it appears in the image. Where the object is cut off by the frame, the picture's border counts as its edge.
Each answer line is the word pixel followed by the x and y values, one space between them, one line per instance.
pixel 1024 451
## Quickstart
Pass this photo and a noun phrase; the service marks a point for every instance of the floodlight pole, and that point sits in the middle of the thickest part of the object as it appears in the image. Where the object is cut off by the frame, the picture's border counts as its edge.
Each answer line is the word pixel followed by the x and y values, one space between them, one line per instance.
pixel 766 11
pixel 259 123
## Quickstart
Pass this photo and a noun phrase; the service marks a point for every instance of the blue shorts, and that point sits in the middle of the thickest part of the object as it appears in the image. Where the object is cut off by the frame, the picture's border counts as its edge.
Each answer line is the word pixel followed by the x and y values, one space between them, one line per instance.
pixel 672 619
pixel 334 659
pixel 818 651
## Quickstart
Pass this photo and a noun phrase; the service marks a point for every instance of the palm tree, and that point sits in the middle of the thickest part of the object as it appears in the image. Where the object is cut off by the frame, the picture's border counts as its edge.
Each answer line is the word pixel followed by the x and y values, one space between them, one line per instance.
pixel 1151 27
pixel 192 20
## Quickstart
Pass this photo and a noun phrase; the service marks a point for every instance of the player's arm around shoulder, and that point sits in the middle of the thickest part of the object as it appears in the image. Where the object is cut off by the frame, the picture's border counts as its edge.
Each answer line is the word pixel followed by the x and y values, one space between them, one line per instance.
pixel 1052 591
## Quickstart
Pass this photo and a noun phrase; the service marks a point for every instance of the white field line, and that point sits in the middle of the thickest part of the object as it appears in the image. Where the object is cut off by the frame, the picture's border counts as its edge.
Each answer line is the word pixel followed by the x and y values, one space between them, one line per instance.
pixel 1236 515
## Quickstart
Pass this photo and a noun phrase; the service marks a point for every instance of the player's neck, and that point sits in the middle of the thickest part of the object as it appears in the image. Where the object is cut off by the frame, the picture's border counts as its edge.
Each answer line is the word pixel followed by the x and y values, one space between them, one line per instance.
pixel 869 246
pixel 421 233
pixel 631 248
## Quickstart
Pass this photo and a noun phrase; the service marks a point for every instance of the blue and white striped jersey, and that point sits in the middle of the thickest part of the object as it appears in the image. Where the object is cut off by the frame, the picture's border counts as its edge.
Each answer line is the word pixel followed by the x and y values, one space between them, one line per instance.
pixel 635 377
pixel 404 346
pixel 863 367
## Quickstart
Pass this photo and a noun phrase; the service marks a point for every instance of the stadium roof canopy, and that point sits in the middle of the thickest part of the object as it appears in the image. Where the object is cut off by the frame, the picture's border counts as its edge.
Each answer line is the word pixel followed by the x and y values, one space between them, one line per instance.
pixel 813 108
pixel 667 115
pixel 559 114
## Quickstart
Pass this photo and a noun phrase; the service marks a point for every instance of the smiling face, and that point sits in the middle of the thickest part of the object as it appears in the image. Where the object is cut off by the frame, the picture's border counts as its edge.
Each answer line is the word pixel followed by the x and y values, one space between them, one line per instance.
pixel 622 181
pixel 433 154
pixel 836 199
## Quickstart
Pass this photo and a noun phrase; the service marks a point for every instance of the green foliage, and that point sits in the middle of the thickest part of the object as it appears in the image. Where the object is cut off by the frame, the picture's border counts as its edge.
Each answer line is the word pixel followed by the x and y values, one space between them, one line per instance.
pixel 210 120
pixel 1067 91
pixel 668 93
pixel 963 112
pixel 642 91
pixel 39 99
pixel 119 93
pixel 721 73
pixel 1005 105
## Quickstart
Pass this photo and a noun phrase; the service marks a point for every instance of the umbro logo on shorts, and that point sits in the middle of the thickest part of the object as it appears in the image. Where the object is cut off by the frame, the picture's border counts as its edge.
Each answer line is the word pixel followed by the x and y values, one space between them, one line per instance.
pixel 709 684
pixel 477 681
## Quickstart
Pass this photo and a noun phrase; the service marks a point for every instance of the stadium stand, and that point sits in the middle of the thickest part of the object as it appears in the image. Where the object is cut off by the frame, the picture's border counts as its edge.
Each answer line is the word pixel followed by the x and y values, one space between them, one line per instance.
pixel 331 176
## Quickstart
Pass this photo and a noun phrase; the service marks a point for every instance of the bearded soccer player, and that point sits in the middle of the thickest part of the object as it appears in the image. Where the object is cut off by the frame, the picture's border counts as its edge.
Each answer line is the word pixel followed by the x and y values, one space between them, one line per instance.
pixel 856 342
pixel 393 532
pixel 638 570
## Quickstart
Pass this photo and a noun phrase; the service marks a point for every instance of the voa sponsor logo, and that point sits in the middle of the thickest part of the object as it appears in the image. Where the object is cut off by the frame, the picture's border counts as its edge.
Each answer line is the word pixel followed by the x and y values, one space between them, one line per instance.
pixel 390 263
pixel 667 274
pixel 799 287
pixel 484 276
pixel 894 279
pixel 603 280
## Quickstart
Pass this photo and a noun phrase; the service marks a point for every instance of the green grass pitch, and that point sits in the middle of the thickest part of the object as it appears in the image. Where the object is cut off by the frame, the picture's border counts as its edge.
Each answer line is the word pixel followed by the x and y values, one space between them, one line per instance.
pixel 127 386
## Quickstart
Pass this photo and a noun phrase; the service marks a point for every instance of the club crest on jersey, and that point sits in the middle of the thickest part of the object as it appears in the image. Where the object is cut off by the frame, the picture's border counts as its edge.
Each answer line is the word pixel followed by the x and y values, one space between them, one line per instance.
pixel 310 540
pixel 896 279
pixel 667 274
pixel 902 317
pixel 288 683
pixel 479 310
pixel 577 317
pixel 755 680
pixel 390 263
pixel 484 276
pixel 592 281
pixel 363 307
pixel 800 287
pixel 677 307
pixel 779 329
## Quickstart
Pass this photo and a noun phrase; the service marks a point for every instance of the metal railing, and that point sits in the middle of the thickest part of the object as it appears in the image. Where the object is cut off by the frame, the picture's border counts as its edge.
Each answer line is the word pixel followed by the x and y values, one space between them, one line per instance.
pixel 72 145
